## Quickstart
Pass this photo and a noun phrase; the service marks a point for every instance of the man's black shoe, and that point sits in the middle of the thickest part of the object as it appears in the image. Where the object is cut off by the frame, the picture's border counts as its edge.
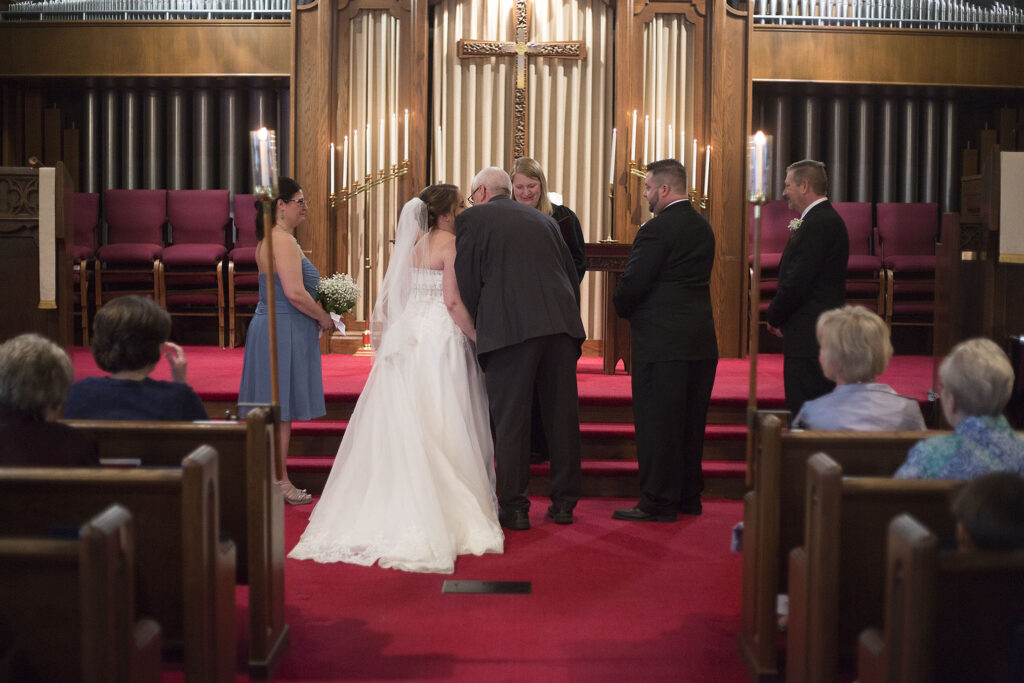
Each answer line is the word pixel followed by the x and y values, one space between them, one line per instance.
pixel 638 515
pixel 514 520
pixel 691 508
pixel 559 515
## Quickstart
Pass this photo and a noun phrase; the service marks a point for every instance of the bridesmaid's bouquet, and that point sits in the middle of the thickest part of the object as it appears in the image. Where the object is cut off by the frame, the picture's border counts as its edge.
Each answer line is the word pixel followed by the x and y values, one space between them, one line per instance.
pixel 337 294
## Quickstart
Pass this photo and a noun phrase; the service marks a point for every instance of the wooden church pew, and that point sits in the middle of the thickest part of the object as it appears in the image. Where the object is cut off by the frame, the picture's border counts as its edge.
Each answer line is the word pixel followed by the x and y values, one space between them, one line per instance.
pixel 251 506
pixel 837 577
pixel 949 615
pixel 773 517
pixel 184 573
pixel 67 607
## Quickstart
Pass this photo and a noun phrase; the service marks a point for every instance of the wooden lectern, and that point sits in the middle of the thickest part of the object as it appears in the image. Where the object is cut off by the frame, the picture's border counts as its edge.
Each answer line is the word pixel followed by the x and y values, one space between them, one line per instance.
pixel 35 253
pixel 611 258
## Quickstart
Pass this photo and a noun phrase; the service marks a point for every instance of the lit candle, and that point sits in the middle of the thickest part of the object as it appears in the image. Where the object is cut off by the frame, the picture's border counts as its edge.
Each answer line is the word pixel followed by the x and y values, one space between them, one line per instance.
pixel 380 147
pixel 707 167
pixel 331 189
pixel 355 155
pixel 632 143
pixel 693 167
pixel 344 164
pixel 669 138
pixel 264 159
pixel 757 182
pixel 406 155
pixel 647 154
pixel 611 161
pixel 394 139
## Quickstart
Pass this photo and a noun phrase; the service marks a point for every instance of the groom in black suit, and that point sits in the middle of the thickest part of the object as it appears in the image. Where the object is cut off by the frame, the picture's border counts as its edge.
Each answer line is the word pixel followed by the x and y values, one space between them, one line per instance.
pixel 517 279
pixel 665 292
pixel 812 280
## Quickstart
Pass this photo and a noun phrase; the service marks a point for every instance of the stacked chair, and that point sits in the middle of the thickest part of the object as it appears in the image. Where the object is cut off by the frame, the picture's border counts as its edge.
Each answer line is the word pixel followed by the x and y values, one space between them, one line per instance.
pixel 865 278
pixel 243 277
pixel 191 281
pixel 907 234
pixel 85 208
pixel 129 260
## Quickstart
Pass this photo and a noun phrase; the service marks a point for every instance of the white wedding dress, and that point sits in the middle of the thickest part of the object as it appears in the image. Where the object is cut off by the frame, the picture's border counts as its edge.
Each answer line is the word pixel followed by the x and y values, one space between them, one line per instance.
pixel 412 486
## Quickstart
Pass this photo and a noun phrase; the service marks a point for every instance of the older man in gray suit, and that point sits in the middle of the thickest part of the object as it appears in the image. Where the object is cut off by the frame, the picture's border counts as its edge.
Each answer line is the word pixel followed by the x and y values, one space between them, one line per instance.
pixel 518 281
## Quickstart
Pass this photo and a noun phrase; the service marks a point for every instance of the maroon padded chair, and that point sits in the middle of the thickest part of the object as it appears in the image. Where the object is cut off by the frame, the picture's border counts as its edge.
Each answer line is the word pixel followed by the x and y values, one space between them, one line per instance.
pixel 907 235
pixel 865 277
pixel 243 277
pixel 85 208
pixel 192 278
pixel 775 218
pixel 129 260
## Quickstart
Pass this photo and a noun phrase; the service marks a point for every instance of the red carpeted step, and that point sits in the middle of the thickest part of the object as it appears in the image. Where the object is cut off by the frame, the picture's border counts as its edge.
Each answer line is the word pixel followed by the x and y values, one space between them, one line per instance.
pixel 727 469
pixel 620 430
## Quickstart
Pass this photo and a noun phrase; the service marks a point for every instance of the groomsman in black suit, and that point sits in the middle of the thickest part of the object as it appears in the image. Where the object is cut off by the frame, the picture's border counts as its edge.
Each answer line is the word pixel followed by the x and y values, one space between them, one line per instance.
pixel 812 280
pixel 665 292
pixel 518 281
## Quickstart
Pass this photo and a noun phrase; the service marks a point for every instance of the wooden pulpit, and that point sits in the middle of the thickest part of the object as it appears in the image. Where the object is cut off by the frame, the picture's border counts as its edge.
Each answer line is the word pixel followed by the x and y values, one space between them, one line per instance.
pixel 35 253
pixel 611 259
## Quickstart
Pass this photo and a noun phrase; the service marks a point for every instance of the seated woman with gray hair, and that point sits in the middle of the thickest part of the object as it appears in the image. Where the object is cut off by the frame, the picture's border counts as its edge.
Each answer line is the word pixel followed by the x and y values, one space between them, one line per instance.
pixel 976 383
pixel 129 335
pixel 35 375
pixel 855 349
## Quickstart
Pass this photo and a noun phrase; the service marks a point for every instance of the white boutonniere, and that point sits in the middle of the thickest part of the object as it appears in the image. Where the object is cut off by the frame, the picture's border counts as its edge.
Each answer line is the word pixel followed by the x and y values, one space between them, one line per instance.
pixel 795 224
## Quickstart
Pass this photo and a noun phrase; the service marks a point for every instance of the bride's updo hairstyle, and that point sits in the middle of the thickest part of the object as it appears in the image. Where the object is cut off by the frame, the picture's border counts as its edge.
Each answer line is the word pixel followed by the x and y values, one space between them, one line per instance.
pixel 440 200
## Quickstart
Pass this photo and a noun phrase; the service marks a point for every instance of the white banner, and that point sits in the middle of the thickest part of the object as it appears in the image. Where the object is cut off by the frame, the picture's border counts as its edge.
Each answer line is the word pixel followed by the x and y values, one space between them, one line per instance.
pixel 47 237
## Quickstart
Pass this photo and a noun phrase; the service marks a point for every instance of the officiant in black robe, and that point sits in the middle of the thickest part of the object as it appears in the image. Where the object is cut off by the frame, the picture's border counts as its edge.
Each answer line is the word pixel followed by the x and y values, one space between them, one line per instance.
pixel 518 281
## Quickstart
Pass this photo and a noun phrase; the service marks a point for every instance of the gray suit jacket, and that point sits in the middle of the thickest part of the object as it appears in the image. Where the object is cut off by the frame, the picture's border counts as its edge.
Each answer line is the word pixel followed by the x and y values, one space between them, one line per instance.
pixel 515 275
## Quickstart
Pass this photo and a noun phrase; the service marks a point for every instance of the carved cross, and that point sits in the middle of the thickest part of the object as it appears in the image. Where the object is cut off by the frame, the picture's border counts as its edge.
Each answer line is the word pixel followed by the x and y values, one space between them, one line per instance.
pixel 522 49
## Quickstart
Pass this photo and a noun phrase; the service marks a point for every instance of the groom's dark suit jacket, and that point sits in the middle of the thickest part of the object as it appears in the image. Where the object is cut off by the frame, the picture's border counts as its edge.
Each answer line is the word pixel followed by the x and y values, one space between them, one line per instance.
pixel 812 279
pixel 665 291
pixel 515 275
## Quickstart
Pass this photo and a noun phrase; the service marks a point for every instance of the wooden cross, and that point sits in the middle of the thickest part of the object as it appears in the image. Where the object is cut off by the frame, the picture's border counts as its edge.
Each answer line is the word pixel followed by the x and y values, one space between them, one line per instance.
pixel 572 49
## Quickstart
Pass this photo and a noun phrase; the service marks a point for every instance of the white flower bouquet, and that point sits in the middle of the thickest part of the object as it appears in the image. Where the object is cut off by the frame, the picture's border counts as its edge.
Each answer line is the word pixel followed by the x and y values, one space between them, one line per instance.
pixel 337 294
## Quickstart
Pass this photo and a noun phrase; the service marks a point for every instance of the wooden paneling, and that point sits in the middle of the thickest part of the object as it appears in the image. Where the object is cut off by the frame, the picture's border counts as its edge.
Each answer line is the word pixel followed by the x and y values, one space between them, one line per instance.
pixel 728 207
pixel 886 56
pixel 226 48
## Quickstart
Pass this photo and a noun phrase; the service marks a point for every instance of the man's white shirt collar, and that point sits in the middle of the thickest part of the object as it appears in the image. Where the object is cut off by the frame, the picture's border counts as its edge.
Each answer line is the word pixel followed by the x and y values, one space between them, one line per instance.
pixel 812 205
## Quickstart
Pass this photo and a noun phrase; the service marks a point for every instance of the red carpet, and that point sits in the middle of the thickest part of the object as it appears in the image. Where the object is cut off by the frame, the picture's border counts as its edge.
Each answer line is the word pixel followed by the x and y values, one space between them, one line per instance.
pixel 214 373
pixel 611 601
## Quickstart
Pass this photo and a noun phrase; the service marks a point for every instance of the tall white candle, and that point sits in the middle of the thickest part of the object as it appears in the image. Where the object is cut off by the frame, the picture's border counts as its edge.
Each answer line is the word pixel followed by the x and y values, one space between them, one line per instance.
pixel 632 142
pixel 757 181
pixel 439 151
pixel 380 147
pixel 264 159
pixel 394 139
pixel 682 145
pixel 657 140
pixel 355 155
pixel 331 189
pixel 707 167
pixel 670 155
pixel 344 164
pixel 647 154
pixel 693 167
pixel 366 142
pixel 406 154
pixel 611 160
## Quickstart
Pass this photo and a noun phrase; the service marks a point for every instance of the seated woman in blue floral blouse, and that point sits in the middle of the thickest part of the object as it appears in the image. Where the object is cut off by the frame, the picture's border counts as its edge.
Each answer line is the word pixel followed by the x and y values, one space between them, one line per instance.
pixel 976 383
pixel 855 349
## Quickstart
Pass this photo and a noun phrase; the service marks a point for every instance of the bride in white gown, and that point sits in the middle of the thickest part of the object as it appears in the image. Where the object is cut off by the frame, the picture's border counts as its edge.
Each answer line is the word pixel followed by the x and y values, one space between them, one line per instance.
pixel 412 485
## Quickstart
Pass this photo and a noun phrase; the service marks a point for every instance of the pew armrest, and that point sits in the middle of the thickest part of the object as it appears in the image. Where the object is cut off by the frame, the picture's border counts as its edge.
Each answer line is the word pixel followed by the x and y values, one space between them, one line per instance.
pixel 146 655
pixel 871 667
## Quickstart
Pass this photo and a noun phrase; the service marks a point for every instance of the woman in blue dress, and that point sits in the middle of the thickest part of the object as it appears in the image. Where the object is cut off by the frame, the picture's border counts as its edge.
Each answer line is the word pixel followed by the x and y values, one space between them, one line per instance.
pixel 300 320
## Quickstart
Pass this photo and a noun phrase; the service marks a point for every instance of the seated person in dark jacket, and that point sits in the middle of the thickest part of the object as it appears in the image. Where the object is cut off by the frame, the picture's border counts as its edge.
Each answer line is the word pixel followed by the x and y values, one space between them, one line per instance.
pixel 129 334
pixel 35 375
